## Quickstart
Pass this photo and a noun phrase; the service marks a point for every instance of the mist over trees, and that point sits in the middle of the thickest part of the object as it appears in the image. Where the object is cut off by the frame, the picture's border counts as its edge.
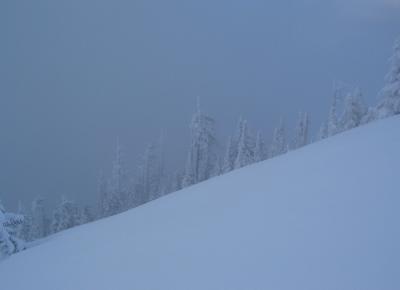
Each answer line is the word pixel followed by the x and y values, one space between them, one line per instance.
pixel 206 157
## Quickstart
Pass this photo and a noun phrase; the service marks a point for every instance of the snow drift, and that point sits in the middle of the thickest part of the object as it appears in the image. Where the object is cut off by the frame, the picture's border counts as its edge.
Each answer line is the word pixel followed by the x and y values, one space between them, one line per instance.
pixel 323 217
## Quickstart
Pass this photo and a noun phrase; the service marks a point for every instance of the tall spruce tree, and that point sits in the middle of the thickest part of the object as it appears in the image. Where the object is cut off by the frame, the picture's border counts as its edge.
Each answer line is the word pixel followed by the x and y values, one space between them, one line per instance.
pixel 175 181
pixel 354 110
pixel 231 150
pixel 260 153
pixel 85 215
pixel 301 131
pixel 323 131
pixel 390 94
pixel 119 199
pixel 278 144
pixel 152 172
pixel 39 220
pixel 246 147
pixel 202 153
pixel 230 156
pixel 66 215
pixel 104 197
pixel 24 229
pixel 9 222
pixel 332 125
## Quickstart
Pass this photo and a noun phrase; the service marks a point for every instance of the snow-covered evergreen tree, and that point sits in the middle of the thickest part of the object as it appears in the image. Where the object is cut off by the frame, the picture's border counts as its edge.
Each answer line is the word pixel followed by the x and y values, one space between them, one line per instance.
pixel 231 152
pixel 260 153
pixel 161 166
pixel 39 220
pixel 85 215
pixel 246 146
pixel 332 124
pixel 202 153
pixel 132 199
pixel 175 182
pixel 278 145
pixel 230 156
pixel 390 94
pixel 217 170
pixel 9 222
pixel 20 211
pixel 118 187
pixel 152 170
pixel 23 231
pixel 66 216
pixel 104 207
pixel 140 196
pixel 323 131
pixel 301 131
pixel 189 177
pixel 354 111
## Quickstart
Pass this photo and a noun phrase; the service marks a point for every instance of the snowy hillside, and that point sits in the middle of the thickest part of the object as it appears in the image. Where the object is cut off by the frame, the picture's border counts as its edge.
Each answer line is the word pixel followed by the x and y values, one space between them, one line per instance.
pixel 325 217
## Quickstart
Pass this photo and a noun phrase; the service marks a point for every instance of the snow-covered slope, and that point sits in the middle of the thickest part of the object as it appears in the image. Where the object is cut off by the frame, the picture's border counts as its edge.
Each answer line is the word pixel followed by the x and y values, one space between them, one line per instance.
pixel 323 217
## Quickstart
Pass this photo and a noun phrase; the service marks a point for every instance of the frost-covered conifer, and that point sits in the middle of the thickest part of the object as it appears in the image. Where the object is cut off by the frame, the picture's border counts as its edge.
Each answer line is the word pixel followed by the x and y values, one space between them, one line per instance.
pixel 152 170
pixel 390 94
pixel 175 182
pixel 216 171
pixel 161 165
pixel 85 215
pixel 301 131
pixel 189 177
pixel 246 146
pixel 9 222
pixel 323 131
pixel 104 209
pixel 23 231
pixel 66 216
pixel 278 145
pixel 118 195
pixel 202 153
pixel 332 124
pixel 259 150
pixel 354 111
pixel 230 156
pixel 39 220
pixel 139 195
pixel 231 152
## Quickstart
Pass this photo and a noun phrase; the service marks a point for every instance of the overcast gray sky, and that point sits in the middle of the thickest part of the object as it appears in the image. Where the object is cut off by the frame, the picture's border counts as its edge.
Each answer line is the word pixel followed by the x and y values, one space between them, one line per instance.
pixel 76 74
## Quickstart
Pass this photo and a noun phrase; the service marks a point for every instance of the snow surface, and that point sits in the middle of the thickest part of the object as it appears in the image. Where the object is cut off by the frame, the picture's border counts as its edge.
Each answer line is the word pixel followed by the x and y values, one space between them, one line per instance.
pixel 324 217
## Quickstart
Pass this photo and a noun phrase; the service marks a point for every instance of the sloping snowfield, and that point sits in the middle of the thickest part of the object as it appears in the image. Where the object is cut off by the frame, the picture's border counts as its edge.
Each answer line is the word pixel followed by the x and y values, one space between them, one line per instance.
pixel 325 217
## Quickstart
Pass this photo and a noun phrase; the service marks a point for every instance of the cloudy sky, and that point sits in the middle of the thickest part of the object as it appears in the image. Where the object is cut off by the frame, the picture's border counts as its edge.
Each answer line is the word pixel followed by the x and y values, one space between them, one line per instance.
pixel 74 75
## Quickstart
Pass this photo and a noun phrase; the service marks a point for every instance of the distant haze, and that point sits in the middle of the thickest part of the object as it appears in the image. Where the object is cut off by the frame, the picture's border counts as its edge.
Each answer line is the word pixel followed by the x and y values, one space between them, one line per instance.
pixel 75 75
